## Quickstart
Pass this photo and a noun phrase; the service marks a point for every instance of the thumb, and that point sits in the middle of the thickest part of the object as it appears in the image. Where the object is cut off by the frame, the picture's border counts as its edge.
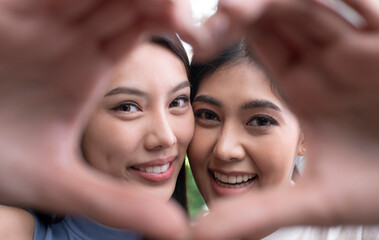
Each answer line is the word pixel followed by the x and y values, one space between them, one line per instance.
pixel 257 214
pixel 110 202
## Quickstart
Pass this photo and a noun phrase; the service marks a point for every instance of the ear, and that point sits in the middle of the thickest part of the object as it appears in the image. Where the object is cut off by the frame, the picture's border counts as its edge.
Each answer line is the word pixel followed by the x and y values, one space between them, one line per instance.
pixel 302 146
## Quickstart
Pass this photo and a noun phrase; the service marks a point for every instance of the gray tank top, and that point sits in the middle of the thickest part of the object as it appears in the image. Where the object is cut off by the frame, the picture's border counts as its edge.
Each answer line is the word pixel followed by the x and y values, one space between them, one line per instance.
pixel 79 228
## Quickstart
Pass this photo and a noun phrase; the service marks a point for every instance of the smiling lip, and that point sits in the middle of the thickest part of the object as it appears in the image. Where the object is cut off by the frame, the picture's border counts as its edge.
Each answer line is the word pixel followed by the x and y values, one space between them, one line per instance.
pixel 224 183
pixel 157 170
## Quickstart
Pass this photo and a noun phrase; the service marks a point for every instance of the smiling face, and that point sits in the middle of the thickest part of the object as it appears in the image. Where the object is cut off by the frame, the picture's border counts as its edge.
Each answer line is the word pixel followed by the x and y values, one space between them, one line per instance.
pixel 142 127
pixel 245 137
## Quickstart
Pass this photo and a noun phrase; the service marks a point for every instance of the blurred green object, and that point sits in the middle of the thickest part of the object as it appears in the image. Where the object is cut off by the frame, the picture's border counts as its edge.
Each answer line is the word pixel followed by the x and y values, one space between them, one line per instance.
pixel 195 201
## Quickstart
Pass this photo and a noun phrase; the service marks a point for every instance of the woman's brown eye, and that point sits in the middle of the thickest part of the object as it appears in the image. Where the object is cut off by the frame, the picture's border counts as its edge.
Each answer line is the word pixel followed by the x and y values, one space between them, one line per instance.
pixel 262 121
pixel 207 115
pixel 180 102
pixel 126 107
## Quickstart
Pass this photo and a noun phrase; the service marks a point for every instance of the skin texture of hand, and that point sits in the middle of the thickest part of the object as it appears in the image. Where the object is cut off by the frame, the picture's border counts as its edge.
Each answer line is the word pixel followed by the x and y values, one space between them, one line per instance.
pixel 56 57
pixel 327 68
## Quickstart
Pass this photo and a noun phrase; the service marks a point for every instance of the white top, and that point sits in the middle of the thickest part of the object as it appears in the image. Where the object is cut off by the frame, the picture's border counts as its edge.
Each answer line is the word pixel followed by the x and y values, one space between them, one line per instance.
pixel 343 232
pixel 359 232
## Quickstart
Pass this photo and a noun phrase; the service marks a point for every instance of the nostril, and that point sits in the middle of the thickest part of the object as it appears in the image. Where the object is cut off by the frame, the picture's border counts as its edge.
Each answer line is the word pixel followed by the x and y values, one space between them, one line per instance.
pixel 156 141
pixel 229 154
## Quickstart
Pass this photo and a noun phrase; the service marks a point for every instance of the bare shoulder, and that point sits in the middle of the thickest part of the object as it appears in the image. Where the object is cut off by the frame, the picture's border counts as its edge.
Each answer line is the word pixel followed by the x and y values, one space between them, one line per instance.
pixel 16 223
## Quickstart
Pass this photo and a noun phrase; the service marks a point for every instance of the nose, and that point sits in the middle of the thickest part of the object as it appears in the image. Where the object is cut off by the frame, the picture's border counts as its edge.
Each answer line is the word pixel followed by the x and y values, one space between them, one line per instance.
pixel 228 146
pixel 160 133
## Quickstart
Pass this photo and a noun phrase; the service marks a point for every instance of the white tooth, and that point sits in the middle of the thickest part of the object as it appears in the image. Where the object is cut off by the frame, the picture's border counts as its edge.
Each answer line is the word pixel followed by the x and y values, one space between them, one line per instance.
pixel 156 169
pixel 245 178
pixel 239 179
pixel 165 167
pixel 232 179
pixel 224 178
pixel 250 176
pixel 149 169
pixel 142 169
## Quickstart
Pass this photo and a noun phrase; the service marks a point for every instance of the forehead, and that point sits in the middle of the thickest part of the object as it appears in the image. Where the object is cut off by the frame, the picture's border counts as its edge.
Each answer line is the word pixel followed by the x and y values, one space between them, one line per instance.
pixel 238 82
pixel 149 65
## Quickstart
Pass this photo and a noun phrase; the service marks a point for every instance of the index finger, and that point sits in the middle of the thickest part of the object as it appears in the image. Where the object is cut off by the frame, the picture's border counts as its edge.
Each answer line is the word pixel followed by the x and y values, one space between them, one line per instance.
pixel 227 25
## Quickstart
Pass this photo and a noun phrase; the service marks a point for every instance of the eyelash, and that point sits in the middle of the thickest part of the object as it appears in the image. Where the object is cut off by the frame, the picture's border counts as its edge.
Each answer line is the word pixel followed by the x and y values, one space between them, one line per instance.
pixel 200 113
pixel 130 105
pixel 211 116
pixel 120 106
pixel 268 121
pixel 183 98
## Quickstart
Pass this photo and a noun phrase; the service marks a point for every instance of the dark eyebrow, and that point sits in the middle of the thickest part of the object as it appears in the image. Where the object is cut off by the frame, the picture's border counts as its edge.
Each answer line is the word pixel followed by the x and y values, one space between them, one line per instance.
pixel 208 99
pixel 260 104
pixel 180 86
pixel 134 91
pixel 126 90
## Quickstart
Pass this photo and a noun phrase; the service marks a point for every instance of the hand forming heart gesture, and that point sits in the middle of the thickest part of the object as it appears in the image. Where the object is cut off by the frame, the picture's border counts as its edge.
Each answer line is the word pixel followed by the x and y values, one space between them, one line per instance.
pixel 56 55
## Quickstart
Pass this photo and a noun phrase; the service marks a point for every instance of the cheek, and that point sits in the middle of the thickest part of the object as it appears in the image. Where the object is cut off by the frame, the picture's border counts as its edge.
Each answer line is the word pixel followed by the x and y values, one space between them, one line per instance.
pixel 200 153
pixel 109 148
pixel 275 159
pixel 184 129
pixel 200 148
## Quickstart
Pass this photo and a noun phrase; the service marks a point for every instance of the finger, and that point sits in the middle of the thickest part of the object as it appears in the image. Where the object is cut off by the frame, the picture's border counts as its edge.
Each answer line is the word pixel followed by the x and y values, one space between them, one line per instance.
pixel 345 167
pixel 108 201
pixel 293 58
pixel 244 11
pixel 369 9
pixel 215 35
pixel 155 7
pixel 181 21
pixel 303 84
pixel 344 11
pixel 271 50
pixel 166 14
pixel 171 16
pixel 316 22
pixel 109 19
pixel 119 45
pixel 71 11
pixel 232 20
pixel 255 215
pixel 128 209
